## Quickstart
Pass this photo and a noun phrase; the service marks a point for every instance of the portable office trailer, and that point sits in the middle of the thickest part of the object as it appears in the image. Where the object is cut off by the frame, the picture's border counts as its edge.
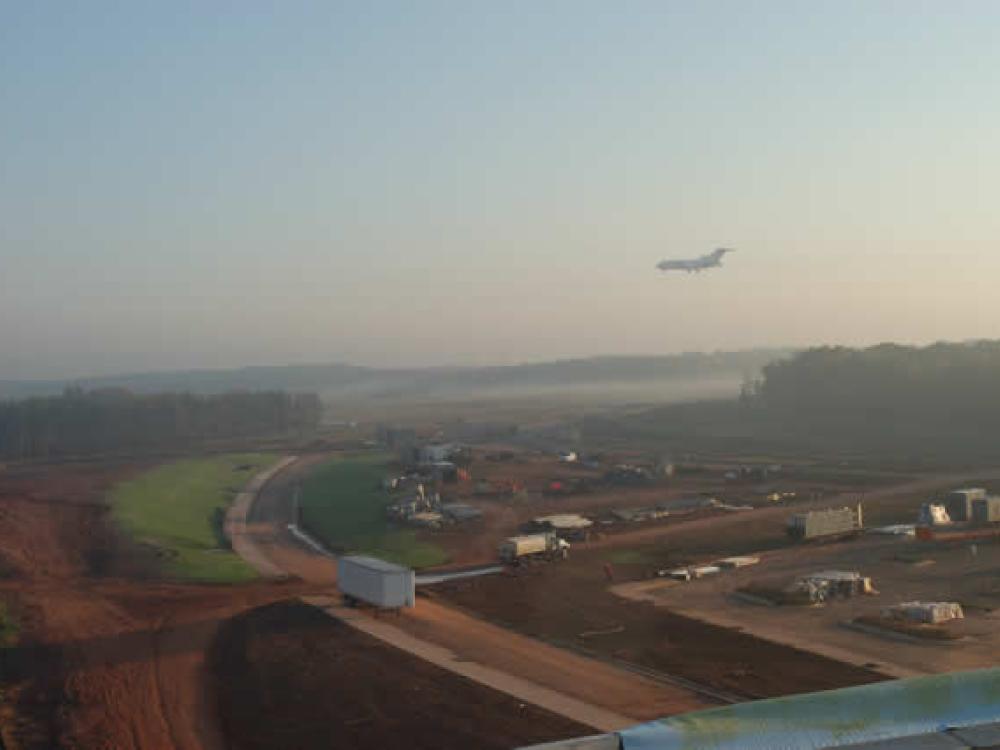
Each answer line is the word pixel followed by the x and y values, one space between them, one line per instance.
pixel 986 510
pixel 959 502
pixel 376 582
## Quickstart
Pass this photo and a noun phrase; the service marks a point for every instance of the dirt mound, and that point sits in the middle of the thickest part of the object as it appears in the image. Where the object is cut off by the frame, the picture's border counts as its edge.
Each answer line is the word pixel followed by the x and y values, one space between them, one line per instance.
pixel 287 675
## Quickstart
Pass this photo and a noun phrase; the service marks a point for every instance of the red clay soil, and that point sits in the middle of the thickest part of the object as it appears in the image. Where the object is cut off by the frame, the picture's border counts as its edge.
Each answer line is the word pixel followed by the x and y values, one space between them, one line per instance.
pixel 568 604
pixel 103 660
pixel 289 676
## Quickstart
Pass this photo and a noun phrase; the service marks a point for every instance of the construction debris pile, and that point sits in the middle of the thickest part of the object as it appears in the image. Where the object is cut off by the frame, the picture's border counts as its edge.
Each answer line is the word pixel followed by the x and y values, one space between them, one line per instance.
pixel 695 572
pixel 422 507
pixel 832 584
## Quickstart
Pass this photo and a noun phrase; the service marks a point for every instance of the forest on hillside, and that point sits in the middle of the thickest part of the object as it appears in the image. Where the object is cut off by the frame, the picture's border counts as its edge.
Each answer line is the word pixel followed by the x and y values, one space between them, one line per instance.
pixel 80 422
pixel 931 400
pixel 946 387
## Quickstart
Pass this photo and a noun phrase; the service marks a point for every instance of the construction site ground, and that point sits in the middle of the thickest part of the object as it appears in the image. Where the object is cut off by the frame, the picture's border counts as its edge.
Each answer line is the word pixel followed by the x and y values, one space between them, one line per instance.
pixel 567 673
pixel 288 676
pixel 902 569
pixel 570 603
pixel 110 656
pixel 107 655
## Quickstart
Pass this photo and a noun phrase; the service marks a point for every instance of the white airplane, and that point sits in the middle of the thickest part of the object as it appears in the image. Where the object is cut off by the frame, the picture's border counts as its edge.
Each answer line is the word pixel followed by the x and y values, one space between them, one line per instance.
pixel 712 260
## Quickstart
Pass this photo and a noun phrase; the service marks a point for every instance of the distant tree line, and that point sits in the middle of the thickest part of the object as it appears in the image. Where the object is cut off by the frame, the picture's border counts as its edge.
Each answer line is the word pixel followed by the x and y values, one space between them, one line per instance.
pixel 940 389
pixel 82 422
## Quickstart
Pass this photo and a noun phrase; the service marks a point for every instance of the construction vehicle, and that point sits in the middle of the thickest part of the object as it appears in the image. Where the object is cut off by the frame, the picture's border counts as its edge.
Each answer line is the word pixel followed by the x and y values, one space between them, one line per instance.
pixel 520 549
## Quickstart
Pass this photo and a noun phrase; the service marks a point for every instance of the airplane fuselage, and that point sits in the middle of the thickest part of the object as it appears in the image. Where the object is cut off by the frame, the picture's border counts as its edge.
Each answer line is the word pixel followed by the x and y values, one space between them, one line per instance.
pixel 691 266
pixel 712 260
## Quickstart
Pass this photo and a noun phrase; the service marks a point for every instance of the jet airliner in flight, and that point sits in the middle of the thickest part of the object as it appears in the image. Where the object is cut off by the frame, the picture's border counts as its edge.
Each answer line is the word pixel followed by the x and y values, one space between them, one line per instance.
pixel 712 260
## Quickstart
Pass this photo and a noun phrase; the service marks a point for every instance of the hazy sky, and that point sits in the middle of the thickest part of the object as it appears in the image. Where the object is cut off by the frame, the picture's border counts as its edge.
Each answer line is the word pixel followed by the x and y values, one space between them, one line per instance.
pixel 207 184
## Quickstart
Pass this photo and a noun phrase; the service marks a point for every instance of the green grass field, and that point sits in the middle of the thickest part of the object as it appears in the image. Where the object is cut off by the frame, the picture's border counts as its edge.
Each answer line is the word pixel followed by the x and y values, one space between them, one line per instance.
pixel 178 508
pixel 343 505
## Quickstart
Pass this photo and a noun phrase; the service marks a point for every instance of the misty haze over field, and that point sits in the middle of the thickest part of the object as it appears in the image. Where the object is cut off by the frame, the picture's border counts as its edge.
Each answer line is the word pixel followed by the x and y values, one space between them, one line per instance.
pixel 599 379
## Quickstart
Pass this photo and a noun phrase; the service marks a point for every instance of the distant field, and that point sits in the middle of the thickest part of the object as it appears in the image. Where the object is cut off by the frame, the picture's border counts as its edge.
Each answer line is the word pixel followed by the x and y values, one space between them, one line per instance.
pixel 528 403
pixel 343 506
pixel 178 508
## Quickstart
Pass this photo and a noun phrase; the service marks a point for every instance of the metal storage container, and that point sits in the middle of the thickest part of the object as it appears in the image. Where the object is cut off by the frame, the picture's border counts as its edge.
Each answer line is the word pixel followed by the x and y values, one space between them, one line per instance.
pixel 986 510
pixel 376 582
pixel 959 502
pixel 823 523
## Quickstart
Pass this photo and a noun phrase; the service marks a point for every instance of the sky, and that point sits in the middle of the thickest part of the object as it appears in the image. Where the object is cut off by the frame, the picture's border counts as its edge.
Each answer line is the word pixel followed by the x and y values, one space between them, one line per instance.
pixel 190 184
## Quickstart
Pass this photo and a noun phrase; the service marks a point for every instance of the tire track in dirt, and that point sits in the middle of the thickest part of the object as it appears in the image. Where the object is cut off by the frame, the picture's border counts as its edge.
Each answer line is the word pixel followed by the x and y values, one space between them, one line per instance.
pixel 110 658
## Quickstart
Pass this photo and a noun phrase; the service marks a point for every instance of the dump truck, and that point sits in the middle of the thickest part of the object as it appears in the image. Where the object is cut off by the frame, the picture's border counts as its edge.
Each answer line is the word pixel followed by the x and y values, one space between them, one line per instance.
pixel 518 549
pixel 825 523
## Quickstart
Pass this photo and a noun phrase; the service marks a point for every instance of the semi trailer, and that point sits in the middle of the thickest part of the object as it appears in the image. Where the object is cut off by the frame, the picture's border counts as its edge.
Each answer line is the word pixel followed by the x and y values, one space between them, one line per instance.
pixel 376 582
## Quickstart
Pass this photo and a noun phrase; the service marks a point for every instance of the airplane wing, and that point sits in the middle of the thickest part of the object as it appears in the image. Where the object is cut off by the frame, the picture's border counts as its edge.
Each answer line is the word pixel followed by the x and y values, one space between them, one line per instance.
pixel 960 711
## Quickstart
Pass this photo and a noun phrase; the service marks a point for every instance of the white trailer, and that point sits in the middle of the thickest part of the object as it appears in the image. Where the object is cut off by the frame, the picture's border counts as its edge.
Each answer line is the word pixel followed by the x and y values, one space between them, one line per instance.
pixel 517 549
pixel 376 582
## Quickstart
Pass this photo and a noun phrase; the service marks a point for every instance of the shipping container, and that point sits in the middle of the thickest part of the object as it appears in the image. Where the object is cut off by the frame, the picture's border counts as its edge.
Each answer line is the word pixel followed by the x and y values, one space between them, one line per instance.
pixel 986 510
pixel 376 582
pixel 820 523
